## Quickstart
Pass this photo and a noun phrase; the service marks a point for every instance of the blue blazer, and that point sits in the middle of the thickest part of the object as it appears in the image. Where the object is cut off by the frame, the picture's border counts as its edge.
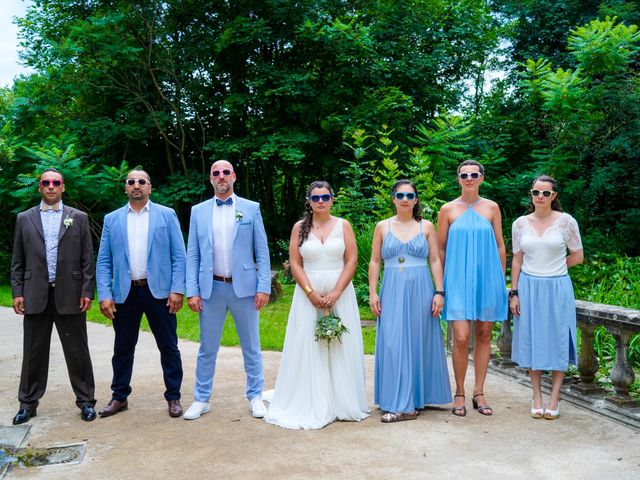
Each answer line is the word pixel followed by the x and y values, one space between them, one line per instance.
pixel 166 255
pixel 250 268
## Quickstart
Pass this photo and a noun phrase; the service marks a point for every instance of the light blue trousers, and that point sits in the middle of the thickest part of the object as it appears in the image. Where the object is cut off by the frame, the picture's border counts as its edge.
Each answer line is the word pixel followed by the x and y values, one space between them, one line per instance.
pixel 212 318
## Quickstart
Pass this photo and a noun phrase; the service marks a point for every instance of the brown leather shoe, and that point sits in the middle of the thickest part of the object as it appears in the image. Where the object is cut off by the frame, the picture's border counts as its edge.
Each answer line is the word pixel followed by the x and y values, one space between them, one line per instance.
pixel 114 407
pixel 175 409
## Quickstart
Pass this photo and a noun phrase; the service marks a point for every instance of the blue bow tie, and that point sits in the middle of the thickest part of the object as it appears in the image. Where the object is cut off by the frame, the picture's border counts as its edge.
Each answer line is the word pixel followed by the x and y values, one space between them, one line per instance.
pixel 228 201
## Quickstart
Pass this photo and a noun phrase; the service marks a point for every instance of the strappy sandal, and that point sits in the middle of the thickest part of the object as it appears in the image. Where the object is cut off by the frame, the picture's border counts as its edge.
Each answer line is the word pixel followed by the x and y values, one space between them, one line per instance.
pixel 460 411
pixel 482 409
pixel 398 417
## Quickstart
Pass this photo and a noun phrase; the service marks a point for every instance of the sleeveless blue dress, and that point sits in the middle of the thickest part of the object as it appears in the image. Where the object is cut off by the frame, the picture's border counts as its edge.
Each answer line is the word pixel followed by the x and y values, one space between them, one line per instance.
pixel 410 361
pixel 473 277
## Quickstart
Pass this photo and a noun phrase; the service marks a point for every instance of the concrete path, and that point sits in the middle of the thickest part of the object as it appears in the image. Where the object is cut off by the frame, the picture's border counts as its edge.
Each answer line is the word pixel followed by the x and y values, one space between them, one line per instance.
pixel 228 443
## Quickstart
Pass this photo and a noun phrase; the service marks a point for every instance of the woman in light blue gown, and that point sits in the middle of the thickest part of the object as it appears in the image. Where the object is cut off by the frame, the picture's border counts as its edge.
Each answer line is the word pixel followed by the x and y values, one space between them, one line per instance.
pixel 473 252
pixel 410 361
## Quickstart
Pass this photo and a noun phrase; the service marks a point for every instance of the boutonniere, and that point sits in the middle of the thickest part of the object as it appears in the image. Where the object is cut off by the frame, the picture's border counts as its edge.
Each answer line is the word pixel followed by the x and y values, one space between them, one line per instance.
pixel 67 221
pixel 239 215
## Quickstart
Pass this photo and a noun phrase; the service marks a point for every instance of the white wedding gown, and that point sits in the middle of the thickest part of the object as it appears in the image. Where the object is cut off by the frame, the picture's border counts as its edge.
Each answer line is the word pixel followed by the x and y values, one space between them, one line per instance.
pixel 317 384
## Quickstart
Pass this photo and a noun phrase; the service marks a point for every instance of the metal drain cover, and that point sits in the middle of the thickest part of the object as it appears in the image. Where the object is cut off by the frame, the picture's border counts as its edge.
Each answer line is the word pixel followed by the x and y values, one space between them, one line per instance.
pixel 60 455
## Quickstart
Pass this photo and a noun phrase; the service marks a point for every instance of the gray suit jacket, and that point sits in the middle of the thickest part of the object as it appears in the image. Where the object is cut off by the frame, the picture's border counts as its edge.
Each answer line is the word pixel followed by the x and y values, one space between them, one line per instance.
pixel 75 271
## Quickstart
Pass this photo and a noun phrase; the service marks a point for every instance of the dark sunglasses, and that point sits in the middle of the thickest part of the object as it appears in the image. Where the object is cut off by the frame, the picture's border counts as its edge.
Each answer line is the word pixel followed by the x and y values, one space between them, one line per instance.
pixel 403 195
pixel 316 198
pixel 226 172
pixel 55 183
pixel 472 175
pixel 545 193
pixel 141 181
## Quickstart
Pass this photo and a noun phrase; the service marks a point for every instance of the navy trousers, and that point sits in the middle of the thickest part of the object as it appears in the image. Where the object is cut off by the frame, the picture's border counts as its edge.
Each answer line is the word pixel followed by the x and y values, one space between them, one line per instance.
pixel 127 326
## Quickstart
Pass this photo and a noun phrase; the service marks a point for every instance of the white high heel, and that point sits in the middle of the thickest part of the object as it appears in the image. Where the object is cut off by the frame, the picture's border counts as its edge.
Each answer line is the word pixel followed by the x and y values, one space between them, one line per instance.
pixel 536 413
pixel 552 414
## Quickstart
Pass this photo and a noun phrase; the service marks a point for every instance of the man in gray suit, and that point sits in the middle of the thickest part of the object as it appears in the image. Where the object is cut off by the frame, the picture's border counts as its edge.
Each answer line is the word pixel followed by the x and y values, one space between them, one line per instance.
pixel 52 281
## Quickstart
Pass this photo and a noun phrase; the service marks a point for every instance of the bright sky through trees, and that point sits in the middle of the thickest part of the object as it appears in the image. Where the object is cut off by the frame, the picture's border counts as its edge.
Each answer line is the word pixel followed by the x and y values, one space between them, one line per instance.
pixel 9 66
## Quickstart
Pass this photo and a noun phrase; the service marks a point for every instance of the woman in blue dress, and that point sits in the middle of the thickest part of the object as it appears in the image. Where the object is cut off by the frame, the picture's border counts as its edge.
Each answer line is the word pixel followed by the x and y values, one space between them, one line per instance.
pixel 410 361
pixel 473 252
pixel 541 299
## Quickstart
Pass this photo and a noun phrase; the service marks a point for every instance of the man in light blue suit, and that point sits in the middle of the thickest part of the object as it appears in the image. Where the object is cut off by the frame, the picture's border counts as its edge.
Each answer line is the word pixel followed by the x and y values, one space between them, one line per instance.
pixel 228 269
pixel 141 269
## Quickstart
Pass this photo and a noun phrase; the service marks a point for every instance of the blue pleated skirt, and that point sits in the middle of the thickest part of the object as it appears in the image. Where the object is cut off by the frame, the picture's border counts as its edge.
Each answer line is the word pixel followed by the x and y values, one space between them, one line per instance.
pixel 544 336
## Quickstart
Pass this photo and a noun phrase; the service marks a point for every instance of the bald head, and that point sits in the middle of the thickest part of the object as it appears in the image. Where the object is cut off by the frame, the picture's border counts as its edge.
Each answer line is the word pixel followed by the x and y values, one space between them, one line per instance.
pixel 222 178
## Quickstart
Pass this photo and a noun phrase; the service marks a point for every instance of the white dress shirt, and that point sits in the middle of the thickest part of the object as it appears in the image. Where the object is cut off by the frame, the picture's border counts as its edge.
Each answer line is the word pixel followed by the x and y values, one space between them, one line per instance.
pixel 138 239
pixel 224 218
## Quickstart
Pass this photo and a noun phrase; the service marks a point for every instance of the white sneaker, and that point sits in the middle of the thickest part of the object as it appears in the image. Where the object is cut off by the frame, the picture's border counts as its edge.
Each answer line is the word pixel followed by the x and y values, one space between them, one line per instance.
pixel 258 410
pixel 196 410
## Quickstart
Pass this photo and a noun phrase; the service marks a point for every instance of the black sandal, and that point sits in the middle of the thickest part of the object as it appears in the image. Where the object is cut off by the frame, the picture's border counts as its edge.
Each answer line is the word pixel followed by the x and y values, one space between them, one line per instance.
pixel 460 411
pixel 482 409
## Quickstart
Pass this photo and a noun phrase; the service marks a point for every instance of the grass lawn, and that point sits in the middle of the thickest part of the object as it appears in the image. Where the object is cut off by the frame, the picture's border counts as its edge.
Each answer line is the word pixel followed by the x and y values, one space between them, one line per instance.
pixel 273 322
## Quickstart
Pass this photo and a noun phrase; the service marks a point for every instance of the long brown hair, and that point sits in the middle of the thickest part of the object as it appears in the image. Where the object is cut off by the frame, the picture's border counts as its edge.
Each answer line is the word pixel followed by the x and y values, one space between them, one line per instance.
pixel 307 217
pixel 555 204
pixel 417 209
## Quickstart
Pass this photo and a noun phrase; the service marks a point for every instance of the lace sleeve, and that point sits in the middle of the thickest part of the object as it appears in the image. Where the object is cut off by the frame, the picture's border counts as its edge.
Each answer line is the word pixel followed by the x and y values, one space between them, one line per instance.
pixel 516 234
pixel 572 234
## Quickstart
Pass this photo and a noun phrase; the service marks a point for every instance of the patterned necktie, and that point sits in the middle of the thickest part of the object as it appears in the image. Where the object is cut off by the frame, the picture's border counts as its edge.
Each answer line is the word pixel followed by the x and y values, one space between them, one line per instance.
pixel 44 207
pixel 228 201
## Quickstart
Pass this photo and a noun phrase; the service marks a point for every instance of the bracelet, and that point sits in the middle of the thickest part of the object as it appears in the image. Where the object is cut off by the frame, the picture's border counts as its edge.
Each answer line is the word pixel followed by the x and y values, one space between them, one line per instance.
pixel 513 293
pixel 439 292
pixel 307 289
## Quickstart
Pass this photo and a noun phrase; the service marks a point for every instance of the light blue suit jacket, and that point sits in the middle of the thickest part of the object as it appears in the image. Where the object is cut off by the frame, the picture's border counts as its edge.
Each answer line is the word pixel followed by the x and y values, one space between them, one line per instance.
pixel 250 268
pixel 166 256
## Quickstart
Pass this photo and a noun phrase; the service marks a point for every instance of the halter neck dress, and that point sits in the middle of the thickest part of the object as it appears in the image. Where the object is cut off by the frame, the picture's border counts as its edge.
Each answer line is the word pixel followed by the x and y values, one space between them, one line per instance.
pixel 473 279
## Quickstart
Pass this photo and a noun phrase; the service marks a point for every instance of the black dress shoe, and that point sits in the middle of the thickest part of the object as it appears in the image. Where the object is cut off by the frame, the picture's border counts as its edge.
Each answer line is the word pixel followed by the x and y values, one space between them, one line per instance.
pixel 23 415
pixel 88 413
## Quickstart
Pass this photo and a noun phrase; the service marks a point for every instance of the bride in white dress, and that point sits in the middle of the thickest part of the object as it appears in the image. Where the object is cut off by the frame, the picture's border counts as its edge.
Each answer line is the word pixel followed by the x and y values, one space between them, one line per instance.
pixel 318 383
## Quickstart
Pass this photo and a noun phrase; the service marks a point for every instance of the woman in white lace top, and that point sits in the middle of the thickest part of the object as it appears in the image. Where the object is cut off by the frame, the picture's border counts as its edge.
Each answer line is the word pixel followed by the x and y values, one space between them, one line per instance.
pixel 546 242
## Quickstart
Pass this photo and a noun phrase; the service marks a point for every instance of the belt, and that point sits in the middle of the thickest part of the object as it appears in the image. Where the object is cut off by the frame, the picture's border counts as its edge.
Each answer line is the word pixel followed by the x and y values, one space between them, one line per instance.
pixel 52 284
pixel 139 283
pixel 222 279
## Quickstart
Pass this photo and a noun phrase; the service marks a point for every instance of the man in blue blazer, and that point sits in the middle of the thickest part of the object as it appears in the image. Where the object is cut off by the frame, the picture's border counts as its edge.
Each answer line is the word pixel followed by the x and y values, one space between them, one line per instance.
pixel 228 269
pixel 141 269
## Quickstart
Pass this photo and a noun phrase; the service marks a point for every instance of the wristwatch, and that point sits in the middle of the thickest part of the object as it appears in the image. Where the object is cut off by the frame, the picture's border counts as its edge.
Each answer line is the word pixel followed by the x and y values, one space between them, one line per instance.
pixel 513 293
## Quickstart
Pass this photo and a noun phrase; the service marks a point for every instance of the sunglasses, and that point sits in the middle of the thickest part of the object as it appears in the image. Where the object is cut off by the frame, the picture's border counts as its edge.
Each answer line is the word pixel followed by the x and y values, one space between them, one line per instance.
pixel 545 193
pixel 403 195
pixel 226 172
pixel 141 181
pixel 316 198
pixel 55 183
pixel 472 175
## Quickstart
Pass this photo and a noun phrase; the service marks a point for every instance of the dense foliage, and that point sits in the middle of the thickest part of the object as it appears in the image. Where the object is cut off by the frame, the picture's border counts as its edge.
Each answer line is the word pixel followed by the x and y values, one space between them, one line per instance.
pixel 358 93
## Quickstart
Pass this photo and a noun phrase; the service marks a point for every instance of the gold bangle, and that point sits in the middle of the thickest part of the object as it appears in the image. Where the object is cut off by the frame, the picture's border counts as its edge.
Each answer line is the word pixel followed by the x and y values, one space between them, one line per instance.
pixel 307 289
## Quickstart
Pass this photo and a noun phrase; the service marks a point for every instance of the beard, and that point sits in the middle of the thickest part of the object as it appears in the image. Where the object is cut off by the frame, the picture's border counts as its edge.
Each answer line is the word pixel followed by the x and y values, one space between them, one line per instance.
pixel 223 188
